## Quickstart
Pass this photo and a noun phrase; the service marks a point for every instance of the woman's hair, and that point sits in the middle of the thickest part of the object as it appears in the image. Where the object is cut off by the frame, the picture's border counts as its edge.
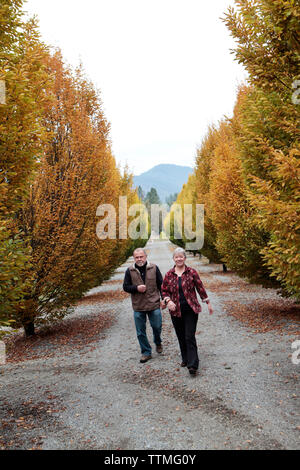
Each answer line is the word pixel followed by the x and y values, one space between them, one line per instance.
pixel 179 251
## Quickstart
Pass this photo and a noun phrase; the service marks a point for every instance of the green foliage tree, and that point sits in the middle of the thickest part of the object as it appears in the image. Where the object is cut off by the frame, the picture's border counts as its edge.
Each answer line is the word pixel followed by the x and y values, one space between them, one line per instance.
pixel 152 197
pixel 171 198
pixel 141 193
pixel 22 136
pixel 267 35
pixel 268 42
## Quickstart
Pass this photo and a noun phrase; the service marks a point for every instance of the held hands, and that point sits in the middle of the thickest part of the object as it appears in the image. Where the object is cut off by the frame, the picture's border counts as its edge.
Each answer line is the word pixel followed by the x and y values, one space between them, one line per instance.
pixel 164 303
pixel 141 288
pixel 167 302
pixel 171 306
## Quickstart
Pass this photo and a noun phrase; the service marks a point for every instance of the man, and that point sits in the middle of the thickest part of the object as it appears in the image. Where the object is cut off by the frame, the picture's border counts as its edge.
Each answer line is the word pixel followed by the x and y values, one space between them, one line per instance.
pixel 143 281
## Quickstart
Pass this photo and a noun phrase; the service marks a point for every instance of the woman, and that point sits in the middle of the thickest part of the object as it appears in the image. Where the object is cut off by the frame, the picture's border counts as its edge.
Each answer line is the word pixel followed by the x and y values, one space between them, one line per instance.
pixel 179 293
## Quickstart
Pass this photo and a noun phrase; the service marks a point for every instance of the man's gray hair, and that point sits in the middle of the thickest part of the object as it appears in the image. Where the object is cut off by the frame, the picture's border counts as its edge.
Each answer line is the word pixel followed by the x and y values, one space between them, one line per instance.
pixel 139 249
pixel 179 251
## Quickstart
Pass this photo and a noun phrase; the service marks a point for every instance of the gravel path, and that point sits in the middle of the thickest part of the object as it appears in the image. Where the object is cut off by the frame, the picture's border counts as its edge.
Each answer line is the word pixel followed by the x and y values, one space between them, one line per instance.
pixel 244 397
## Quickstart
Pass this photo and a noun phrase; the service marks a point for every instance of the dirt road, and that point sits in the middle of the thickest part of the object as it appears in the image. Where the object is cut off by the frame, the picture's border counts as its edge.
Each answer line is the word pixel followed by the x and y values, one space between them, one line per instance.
pixel 244 397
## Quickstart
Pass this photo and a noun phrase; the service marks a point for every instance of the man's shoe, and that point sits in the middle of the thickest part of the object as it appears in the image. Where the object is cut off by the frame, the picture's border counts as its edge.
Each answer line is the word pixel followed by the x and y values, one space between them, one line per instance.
pixel 192 371
pixel 183 364
pixel 159 348
pixel 145 359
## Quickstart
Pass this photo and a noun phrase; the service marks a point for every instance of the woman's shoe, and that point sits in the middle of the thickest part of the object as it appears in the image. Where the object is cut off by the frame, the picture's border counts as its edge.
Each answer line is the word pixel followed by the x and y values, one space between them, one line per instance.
pixel 183 364
pixel 192 371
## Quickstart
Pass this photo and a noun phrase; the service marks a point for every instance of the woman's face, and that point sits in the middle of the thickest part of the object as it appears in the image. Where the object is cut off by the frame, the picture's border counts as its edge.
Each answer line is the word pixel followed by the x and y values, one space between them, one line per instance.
pixel 179 260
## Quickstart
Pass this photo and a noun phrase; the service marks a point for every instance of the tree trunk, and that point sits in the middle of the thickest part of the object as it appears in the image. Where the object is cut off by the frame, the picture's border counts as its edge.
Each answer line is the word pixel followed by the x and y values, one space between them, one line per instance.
pixel 224 268
pixel 29 329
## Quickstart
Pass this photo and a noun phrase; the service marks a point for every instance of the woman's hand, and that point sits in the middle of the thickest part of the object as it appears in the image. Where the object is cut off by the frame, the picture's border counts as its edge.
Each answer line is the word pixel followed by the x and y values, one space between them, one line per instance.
pixel 171 306
pixel 164 303
pixel 210 309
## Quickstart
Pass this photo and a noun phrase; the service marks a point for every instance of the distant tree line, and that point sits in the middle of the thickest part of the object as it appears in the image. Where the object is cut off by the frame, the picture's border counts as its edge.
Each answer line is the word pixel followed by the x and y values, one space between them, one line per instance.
pixel 152 197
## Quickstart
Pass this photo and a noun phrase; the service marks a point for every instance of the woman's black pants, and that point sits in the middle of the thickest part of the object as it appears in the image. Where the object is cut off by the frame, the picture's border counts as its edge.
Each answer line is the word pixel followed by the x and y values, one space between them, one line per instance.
pixel 185 328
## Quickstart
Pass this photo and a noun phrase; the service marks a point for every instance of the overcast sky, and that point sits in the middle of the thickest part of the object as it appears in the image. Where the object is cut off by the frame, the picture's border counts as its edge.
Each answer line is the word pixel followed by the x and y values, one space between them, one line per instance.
pixel 163 67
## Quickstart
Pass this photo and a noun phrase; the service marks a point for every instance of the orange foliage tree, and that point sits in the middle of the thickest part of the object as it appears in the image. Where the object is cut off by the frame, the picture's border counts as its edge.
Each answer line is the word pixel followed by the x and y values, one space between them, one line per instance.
pixel 204 162
pixel 21 137
pixel 239 239
pixel 77 173
pixel 247 169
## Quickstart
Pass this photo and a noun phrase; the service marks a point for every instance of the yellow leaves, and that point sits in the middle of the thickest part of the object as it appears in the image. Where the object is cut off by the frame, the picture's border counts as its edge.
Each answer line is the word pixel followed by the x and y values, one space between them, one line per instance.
pixel 55 118
pixel 248 176
pixel 74 178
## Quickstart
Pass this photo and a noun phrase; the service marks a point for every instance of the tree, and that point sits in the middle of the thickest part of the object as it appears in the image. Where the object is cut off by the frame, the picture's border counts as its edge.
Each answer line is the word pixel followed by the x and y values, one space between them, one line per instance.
pixel 268 42
pixel 22 136
pixel 171 198
pixel 205 155
pixel 77 173
pixel 267 35
pixel 140 193
pixel 125 247
pixel 152 197
pixel 196 191
pixel 238 237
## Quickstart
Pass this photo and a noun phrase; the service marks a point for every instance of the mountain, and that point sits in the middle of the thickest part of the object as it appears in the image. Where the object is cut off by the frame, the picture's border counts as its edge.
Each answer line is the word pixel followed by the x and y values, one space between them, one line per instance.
pixel 165 178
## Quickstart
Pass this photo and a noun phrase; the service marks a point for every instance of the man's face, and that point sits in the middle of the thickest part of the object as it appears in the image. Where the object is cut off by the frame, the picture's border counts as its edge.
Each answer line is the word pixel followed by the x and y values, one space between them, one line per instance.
pixel 140 257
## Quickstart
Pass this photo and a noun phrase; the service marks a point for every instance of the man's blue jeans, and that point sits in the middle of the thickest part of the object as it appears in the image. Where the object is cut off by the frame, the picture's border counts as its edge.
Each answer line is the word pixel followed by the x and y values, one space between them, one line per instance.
pixel 140 319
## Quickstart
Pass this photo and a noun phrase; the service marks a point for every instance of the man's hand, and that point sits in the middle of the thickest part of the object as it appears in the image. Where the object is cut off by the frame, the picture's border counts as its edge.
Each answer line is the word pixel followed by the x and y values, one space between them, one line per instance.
pixel 141 288
pixel 171 306
pixel 162 304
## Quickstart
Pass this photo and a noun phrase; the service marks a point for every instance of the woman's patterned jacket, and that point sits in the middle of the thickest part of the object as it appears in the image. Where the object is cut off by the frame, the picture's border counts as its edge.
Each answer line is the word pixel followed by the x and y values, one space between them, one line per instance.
pixel 190 282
